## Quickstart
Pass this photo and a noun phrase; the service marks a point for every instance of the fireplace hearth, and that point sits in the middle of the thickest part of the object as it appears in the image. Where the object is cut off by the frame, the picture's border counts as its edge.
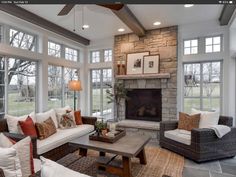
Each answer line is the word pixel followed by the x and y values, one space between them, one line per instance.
pixel 144 104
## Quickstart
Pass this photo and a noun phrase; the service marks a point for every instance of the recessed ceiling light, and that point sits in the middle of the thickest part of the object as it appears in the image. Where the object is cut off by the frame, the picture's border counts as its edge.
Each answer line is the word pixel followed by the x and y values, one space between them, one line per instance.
pixel 121 29
pixel 156 23
pixel 85 26
pixel 188 5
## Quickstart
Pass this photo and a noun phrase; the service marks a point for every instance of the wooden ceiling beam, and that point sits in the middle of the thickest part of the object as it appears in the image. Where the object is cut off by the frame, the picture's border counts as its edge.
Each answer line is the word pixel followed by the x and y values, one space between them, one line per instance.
pixel 127 17
pixel 37 20
pixel 226 14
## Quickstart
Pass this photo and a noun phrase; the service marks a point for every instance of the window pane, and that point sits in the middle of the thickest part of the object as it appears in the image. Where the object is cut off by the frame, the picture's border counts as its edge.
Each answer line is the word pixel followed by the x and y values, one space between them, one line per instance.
pixel 194 43
pixel 71 54
pixel 54 86
pixel 107 55
pixel 22 40
pixel 209 49
pixel 216 40
pixel 54 49
pixel 96 97
pixel 107 108
pixel 194 50
pixel 186 51
pixel 216 48
pixel 190 103
pixel 208 41
pixel 186 43
pixel 95 56
pixel 21 87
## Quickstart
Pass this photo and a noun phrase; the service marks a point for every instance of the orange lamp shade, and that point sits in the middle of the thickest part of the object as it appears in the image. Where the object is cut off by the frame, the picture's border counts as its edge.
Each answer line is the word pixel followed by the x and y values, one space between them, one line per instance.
pixel 75 85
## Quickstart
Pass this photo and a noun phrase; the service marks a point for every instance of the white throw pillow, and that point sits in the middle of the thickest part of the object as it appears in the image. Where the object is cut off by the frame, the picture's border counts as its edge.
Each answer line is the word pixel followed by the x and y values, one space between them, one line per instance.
pixel 10 163
pixel 4 141
pixel 12 122
pixel 207 118
pixel 40 117
pixel 52 169
pixel 23 150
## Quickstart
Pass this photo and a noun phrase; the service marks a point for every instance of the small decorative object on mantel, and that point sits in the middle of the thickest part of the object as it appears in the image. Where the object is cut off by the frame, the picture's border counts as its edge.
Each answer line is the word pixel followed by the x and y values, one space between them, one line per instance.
pixel 135 63
pixel 121 67
pixel 151 64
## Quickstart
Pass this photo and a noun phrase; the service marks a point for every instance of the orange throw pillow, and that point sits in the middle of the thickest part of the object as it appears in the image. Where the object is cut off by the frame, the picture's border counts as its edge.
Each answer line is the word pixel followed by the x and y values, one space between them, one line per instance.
pixel 188 122
pixel 78 118
pixel 28 127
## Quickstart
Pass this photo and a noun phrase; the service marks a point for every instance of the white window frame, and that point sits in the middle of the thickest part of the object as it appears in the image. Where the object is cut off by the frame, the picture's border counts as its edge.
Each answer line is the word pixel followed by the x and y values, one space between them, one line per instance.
pixel 61 48
pixel 77 58
pixel 201 97
pixel 221 44
pixel 191 46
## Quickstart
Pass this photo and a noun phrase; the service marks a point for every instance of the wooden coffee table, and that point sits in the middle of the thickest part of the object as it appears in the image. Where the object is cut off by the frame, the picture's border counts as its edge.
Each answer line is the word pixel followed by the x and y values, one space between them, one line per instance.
pixel 128 147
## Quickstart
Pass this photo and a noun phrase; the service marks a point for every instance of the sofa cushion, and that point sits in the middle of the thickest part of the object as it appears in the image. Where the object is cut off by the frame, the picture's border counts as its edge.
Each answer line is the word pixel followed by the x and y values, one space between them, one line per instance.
pixel 12 122
pixel 62 136
pixel 40 117
pixel 62 110
pixel 28 127
pixel 46 128
pixel 188 122
pixel 181 136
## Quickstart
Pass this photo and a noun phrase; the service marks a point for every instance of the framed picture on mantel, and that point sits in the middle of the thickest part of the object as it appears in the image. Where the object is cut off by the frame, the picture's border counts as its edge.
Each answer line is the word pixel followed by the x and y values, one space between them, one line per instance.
pixel 134 63
pixel 151 64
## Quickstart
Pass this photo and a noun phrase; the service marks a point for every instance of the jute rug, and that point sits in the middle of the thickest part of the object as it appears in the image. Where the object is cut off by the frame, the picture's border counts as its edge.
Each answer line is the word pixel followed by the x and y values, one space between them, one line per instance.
pixel 160 162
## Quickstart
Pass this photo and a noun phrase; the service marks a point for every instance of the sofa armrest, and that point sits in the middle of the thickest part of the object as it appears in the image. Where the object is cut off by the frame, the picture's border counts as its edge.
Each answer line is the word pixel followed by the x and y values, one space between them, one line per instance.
pixel 226 120
pixel 167 125
pixel 18 137
pixel 89 120
pixel 3 125
pixel 205 135
pixel 1 173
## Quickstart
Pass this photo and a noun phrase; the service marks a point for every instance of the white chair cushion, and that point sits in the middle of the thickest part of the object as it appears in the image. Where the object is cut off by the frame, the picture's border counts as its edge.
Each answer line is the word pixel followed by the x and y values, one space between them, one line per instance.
pixel 62 136
pixel 207 119
pixel 181 136
pixel 4 141
pixel 12 122
pixel 10 163
pixel 52 169
pixel 40 117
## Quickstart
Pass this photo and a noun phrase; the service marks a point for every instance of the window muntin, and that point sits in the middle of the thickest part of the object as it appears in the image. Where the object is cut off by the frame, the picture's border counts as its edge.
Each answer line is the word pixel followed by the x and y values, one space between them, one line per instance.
pixel 190 47
pixel 54 49
pixel 202 86
pixel 71 54
pixel 213 44
pixel 23 40
pixel 100 81
pixel 22 79
pixel 95 57
pixel 69 74
pixel 107 55
pixel 54 86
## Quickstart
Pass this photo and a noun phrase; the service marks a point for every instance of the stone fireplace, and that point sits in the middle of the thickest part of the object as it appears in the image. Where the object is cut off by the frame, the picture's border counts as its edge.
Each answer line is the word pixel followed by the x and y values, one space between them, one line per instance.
pixel 144 104
pixel 158 41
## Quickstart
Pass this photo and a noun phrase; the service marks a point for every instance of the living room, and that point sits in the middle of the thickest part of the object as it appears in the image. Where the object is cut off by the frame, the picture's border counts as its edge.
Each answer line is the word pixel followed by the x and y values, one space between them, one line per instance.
pixel 118 90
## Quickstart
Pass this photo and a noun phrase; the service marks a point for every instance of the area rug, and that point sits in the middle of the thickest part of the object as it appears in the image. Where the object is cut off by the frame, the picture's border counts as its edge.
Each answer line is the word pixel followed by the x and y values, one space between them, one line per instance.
pixel 160 163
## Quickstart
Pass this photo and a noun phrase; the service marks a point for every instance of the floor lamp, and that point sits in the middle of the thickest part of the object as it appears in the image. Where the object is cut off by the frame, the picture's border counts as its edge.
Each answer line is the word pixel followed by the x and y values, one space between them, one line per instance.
pixel 75 85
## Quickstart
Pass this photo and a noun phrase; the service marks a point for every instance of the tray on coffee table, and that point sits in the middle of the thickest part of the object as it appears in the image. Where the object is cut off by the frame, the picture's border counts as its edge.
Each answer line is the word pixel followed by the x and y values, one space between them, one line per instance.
pixel 103 138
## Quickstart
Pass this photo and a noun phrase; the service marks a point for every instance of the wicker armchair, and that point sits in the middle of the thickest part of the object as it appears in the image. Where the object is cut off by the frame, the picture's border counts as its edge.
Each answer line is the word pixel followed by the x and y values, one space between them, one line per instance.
pixel 205 145
pixel 54 154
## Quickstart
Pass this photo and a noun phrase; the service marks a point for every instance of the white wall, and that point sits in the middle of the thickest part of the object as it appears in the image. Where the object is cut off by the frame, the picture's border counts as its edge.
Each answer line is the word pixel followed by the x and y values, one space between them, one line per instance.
pixel 209 28
pixel 42 57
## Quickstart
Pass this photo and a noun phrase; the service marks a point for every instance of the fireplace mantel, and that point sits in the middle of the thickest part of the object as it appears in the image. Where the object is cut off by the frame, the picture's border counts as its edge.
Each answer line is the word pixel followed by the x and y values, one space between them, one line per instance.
pixel 144 76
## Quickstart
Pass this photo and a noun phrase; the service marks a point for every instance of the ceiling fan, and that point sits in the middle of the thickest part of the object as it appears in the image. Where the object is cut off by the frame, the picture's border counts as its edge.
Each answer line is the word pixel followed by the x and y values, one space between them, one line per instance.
pixel 68 7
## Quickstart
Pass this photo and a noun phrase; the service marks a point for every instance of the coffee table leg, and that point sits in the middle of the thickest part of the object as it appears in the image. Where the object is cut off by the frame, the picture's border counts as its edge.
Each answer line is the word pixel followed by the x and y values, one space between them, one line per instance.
pixel 83 152
pixel 126 167
pixel 142 157
pixel 102 153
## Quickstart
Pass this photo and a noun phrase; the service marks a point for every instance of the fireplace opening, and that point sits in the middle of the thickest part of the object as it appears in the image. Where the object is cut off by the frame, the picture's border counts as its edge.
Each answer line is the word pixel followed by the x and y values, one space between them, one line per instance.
pixel 144 104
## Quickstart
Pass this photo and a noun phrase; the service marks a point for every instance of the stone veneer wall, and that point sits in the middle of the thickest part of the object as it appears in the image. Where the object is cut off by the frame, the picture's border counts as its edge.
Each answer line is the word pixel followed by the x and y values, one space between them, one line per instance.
pixel 158 41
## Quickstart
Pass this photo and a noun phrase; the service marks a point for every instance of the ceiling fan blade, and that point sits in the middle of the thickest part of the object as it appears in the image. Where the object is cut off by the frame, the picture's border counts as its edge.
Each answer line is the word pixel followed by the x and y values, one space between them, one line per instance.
pixel 66 9
pixel 112 6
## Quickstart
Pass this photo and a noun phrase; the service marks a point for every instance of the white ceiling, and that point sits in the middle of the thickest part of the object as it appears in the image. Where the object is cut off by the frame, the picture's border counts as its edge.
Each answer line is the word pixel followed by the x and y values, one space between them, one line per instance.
pixel 103 23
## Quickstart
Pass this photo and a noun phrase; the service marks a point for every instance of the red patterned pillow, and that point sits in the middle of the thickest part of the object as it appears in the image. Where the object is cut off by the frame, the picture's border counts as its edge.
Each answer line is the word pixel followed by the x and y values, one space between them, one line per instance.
pixel 28 127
